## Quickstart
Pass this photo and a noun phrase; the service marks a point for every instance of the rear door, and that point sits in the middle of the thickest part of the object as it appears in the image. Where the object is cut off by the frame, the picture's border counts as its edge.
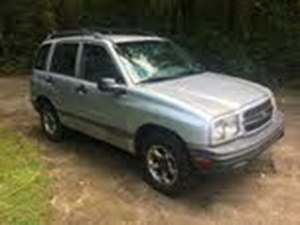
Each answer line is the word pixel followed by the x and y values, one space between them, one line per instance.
pixel 39 82
pixel 63 72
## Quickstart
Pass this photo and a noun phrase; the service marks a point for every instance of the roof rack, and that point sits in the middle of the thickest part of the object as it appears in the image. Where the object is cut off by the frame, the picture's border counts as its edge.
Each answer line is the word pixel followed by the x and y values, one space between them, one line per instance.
pixel 69 33
pixel 98 32
pixel 121 31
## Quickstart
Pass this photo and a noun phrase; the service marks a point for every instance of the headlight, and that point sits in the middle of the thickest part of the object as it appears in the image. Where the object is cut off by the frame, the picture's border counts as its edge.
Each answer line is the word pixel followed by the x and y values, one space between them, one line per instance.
pixel 224 130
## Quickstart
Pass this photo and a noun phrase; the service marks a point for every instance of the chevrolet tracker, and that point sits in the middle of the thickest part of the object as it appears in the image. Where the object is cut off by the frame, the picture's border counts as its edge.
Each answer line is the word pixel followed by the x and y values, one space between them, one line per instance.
pixel 146 95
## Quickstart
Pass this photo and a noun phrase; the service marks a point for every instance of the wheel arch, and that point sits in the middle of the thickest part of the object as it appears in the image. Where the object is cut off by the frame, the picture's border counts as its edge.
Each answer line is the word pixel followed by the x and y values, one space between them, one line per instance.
pixel 40 101
pixel 147 129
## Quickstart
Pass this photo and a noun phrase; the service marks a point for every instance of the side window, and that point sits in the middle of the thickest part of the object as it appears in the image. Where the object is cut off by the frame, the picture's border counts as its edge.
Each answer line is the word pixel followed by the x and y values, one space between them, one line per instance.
pixel 64 59
pixel 97 63
pixel 41 58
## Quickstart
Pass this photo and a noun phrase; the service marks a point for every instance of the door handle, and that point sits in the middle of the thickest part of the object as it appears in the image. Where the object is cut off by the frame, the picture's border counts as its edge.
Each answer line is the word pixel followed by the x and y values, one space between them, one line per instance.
pixel 81 90
pixel 49 80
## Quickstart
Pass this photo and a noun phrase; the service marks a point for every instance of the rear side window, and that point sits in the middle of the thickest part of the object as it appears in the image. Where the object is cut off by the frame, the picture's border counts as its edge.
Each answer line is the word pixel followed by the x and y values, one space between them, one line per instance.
pixel 42 57
pixel 64 59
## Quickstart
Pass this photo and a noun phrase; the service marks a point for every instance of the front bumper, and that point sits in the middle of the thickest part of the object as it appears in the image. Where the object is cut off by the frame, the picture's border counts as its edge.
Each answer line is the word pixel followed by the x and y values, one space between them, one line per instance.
pixel 239 152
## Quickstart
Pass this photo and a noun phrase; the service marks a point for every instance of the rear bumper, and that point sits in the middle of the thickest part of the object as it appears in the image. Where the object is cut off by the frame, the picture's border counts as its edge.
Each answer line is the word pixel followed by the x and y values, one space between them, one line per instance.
pixel 240 152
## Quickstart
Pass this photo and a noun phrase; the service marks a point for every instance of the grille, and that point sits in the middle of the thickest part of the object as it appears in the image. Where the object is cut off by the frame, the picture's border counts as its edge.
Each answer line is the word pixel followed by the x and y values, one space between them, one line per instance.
pixel 258 116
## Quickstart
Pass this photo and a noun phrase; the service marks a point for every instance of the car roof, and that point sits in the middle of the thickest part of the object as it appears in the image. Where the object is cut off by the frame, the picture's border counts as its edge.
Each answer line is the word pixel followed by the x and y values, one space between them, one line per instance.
pixel 113 38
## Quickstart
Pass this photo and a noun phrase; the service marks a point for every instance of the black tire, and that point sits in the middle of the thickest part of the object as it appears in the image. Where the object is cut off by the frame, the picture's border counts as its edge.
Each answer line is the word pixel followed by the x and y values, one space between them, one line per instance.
pixel 175 147
pixel 48 112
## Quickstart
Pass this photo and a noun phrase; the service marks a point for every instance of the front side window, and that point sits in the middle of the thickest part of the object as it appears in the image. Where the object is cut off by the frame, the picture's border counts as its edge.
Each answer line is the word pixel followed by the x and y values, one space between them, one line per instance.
pixel 42 57
pixel 156 60
pixel 64 59
pixel 97 64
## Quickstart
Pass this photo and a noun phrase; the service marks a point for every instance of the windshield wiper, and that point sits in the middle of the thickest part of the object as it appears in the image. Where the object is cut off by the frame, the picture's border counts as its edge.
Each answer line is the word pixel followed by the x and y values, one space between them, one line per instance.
pixel 190 72
pixel 183 74
pixel 156 79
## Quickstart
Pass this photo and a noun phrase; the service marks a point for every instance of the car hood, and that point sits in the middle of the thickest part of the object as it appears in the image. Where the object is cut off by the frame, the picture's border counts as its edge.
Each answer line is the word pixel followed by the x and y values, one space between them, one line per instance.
pixel 210 93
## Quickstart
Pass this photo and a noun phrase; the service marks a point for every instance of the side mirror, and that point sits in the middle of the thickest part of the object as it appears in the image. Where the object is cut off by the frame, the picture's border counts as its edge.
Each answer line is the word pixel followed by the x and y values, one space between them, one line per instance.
pixel 110 85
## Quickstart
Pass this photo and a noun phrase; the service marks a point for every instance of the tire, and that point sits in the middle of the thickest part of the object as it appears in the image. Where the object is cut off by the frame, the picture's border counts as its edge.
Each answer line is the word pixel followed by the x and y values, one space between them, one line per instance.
pixel 51 124
pixel 174 169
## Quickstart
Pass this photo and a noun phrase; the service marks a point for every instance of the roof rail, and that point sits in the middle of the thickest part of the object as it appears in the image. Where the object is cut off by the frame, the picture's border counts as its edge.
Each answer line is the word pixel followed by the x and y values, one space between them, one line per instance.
pixel 97 32
pixel 120 31
pixel 70 33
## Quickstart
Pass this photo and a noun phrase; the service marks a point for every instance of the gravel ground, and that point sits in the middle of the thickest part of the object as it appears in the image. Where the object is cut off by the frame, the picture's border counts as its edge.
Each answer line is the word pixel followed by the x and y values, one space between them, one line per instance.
pixel 94 183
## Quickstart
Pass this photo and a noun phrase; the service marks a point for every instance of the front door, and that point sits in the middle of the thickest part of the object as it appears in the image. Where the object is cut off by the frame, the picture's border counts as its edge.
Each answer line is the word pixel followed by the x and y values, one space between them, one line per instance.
pixel 101 112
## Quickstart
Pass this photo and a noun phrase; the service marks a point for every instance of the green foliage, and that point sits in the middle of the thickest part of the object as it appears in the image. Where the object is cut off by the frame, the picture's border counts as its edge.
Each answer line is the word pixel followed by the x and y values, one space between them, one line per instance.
pixel 24 186
pixel 246 37
pixel 23 24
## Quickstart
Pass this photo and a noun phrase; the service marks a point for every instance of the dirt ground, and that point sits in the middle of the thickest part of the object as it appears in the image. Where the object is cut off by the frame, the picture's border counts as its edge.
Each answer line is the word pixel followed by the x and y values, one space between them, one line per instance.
pixel 94 183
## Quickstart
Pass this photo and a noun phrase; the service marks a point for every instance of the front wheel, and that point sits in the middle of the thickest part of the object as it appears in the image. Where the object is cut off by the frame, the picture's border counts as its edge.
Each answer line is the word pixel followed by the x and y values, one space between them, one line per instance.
pixel 166 163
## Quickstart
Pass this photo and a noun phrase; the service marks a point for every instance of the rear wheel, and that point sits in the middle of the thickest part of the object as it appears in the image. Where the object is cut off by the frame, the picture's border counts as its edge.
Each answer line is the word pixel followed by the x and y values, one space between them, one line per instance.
pixel 50 123
pixel 166 163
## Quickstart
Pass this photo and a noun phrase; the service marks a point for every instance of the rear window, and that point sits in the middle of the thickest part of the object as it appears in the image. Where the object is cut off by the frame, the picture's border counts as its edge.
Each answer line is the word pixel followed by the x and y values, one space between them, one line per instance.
pixel 42 57
pixel 64 59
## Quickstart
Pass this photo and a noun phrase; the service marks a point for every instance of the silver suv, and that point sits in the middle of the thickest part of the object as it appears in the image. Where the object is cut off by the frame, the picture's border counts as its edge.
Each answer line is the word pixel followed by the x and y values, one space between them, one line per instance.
pixel 146 95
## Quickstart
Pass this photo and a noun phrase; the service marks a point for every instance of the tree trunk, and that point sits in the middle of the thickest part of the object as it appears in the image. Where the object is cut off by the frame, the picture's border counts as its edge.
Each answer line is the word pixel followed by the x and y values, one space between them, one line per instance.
pixel 244 12
pixel 1 41
pixel 67 13
pixel 238 16
pixel 229 14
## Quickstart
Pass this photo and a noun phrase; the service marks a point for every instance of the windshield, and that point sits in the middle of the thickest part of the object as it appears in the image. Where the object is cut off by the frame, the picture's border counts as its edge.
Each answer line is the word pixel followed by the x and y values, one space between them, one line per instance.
pixel 150 61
